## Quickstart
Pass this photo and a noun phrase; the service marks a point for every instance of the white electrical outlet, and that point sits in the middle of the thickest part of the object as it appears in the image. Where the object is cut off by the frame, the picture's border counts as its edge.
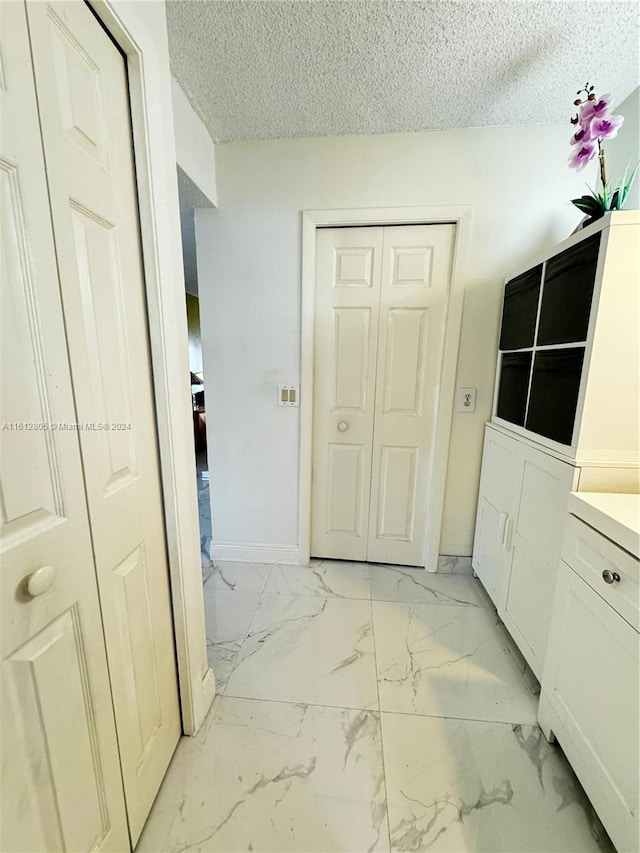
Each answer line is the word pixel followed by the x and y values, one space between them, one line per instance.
pixel 467 399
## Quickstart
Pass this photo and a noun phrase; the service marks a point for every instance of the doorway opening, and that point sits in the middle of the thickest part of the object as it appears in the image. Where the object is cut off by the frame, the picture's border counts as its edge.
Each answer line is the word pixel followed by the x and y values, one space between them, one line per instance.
pixel 192 198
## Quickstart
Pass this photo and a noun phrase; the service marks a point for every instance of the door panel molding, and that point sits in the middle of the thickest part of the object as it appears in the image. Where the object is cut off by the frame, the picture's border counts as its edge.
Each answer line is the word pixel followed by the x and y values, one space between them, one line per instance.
pixel 39 501
pixel 354 267
pixel 395 363
pixel 345 464
pixel 312 220
pixel 394 521
pixel 44 709
pixel 412 266
pixel 360 321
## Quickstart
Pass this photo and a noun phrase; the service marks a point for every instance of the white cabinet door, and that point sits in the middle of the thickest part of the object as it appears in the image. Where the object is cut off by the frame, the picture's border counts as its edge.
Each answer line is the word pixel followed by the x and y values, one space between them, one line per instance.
pixel 84 114
pixel 416 271
pixel 347 308
pixel 61 783
pixel 497 501
pixel 589 701
pixel 534 544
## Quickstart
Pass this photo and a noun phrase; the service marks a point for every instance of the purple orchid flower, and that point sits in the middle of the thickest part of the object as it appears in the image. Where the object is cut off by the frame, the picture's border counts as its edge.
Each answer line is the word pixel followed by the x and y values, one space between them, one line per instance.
pixel 582 155
pixel 598 108
pixel 605 127
pixel 583 134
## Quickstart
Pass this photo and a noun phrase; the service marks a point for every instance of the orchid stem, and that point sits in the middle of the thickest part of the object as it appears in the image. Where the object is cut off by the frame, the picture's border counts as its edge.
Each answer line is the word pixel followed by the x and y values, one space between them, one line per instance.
pixel 603 171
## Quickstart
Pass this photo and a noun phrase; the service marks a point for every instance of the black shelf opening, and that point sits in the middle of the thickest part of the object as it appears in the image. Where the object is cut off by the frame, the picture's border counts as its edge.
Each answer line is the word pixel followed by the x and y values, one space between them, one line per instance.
pixel 514 386
pixel 567 293
pixel 554 393
pixel 521 296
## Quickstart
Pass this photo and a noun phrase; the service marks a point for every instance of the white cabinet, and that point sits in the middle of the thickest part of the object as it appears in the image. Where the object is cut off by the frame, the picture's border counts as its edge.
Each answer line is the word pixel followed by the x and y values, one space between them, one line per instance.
pixel 565 416
pixel 496 504
pixel 534 541
pixel 521 513
pixel 590 688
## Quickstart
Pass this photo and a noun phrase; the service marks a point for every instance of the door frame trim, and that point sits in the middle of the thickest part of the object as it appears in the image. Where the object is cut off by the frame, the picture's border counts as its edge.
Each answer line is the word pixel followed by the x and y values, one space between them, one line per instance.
pixel 458 215
pixel 155 164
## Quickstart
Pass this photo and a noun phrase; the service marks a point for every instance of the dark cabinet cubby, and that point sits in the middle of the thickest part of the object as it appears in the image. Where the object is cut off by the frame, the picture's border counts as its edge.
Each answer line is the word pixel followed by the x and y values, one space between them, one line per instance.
pixel 553 399
pixel 521 297
pixel 513 389
pixel 567 293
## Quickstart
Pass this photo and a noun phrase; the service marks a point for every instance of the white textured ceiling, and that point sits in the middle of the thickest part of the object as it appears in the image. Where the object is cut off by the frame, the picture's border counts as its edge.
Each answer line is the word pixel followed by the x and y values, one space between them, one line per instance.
pixel 264 69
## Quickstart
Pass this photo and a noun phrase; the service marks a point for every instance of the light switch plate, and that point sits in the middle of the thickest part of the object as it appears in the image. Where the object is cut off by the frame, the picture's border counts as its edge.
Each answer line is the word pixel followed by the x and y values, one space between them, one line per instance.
pixel 288 395
pixel 467 399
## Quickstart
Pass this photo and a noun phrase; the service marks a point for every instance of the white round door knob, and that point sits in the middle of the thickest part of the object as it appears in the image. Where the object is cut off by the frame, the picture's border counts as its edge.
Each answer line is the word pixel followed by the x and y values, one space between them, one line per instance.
pixel 40 581
pixel 343 426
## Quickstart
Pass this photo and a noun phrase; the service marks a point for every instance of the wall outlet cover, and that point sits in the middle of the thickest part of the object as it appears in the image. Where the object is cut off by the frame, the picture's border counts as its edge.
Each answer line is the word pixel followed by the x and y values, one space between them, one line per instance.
pixel 467 399
pixel 288 395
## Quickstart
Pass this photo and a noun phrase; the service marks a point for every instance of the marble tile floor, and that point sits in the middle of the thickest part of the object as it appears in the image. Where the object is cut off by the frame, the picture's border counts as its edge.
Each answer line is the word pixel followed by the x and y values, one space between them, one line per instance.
pixel 204 507
pixel 366 708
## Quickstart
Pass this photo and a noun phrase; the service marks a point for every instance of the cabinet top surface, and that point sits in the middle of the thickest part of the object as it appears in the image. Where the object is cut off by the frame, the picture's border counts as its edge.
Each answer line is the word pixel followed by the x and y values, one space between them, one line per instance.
pixel 616 516
pixel 614 219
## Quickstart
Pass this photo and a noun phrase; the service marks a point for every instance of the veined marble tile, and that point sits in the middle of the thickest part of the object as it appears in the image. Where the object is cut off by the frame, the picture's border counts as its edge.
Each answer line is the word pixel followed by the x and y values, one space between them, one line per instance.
pixel 449 565
pixel 457 785
pixel 228 615
pixel 398 583
pixel 308 649
pixel 328 578
pixel 238 577
pixel 279 777
pixel 448 661
pixel 204 511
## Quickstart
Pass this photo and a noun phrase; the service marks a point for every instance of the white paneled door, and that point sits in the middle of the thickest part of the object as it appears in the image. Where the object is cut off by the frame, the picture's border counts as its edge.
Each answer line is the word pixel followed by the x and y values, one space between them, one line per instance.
pixel 83 99
pixel 61 782
pixel 380 313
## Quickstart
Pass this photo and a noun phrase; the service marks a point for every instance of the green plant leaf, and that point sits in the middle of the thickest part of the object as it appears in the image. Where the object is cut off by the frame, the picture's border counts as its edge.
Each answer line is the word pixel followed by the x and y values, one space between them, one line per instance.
pixel 593 198
pixel 624 185
pixel 599 197
pixel 588 204
pixel 586 208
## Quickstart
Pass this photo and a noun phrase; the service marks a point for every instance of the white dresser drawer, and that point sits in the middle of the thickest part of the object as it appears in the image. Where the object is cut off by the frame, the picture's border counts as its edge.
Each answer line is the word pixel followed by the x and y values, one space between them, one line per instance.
pixel 594 557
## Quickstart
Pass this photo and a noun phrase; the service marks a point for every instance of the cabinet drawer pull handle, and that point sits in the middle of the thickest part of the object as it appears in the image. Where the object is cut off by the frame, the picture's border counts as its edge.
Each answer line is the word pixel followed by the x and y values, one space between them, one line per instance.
pixel 610 577
pixel 343 426
pixel 503 527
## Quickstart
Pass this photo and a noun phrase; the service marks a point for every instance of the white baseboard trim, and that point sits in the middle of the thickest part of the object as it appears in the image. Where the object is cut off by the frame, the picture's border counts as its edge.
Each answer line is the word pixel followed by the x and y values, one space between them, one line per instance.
pixel 234 552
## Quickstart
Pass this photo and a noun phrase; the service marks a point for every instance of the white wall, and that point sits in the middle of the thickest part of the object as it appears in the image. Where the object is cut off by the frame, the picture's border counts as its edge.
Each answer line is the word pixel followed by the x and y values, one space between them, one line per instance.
pixel 624 150
pixel 189 257
pixel 195 151
pixel 518 184
pixel 193 327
